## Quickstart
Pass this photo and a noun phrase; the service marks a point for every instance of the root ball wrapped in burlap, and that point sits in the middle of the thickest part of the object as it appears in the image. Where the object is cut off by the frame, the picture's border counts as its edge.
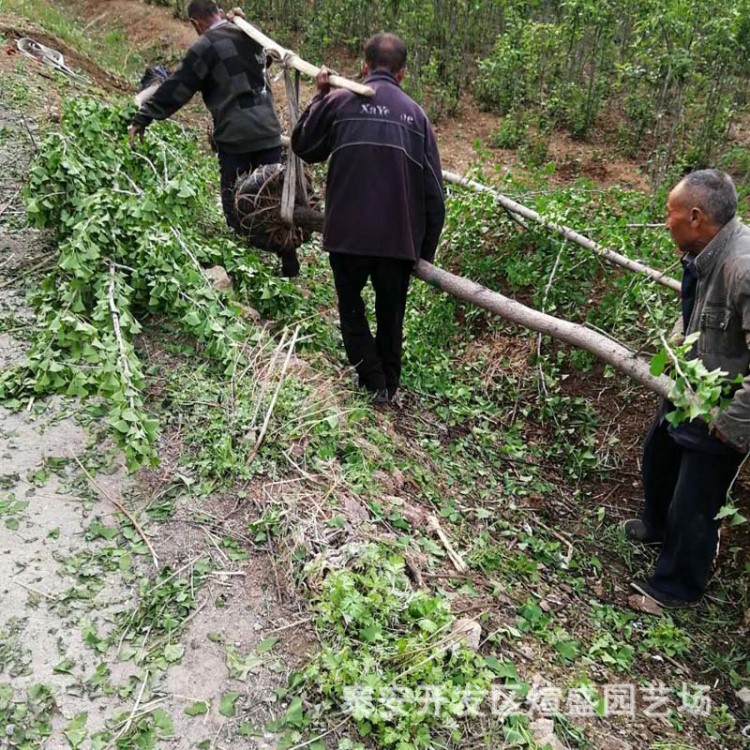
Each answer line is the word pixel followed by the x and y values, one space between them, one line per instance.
pixel 257 202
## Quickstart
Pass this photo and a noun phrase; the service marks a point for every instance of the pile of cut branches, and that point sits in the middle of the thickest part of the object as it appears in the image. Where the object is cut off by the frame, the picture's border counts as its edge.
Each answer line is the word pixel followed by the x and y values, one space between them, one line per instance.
pixel 135 228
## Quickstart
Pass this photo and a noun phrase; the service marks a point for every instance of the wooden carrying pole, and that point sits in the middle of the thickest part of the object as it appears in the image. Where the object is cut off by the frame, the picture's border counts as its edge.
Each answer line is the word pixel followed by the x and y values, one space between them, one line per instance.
pixel 517 209
pixel 294 61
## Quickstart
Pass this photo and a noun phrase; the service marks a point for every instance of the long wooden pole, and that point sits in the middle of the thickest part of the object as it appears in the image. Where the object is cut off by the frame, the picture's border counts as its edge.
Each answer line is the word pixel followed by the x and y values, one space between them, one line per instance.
pixel 295 61
pixel 518 209
pixel 601 346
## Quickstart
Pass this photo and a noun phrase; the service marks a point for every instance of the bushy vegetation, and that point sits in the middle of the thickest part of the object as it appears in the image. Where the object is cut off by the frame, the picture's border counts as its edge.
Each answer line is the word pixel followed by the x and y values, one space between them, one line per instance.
pixel 129 247
pixel 381 639
pixel 664 80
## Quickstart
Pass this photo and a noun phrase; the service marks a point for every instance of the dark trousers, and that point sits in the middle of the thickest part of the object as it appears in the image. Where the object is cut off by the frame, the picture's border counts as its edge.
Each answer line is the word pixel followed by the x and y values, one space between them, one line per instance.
pixel 684 490
pixel 232 166
pixel 377 360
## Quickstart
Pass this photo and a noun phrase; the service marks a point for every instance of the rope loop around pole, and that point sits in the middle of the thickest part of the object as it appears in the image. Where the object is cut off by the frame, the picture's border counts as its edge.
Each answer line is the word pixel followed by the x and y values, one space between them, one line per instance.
pixel 295 185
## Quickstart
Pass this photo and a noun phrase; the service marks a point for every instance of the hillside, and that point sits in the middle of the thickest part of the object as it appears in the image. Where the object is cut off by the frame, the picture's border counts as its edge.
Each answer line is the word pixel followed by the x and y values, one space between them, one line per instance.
pixel 213 540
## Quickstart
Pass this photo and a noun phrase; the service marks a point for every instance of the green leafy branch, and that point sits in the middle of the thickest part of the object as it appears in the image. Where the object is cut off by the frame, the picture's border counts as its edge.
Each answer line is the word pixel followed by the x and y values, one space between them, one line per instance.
pixel 130 246
pixel 697 392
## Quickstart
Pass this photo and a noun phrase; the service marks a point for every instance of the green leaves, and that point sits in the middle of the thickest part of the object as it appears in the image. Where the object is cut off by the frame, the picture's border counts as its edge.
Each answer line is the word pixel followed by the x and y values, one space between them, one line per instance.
pixel 383 642
pixel 12 511
pixel 294 716
pixel 241 667
pixel 697 393
pixel 64 667
pixel 197 709
pixel 569 649
pixel 174 652
pixel 30 716
pixel 226 705
pixel 266 645
pixel 659 362
pixel 125 223
pixel 732 512
pixel 76 731
pixel 504 669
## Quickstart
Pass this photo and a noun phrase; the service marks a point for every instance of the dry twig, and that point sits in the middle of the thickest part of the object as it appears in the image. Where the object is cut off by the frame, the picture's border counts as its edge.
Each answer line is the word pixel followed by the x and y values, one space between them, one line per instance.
pixel 120 507
pixel 114 313
pixel 458 562
pixel 267 420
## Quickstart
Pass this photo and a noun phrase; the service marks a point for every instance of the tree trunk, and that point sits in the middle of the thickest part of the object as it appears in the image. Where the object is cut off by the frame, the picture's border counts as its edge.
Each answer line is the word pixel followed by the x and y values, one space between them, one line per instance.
pixel 602 347
pixel 308 219
pixel 570 234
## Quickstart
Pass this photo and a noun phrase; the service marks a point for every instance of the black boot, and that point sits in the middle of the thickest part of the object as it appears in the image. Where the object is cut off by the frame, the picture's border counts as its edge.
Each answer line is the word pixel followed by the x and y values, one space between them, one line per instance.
pixel 289 264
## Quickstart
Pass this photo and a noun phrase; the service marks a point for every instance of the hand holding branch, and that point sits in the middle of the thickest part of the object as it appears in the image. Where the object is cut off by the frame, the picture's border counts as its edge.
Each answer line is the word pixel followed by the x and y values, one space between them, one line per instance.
pixel 135 132
pixel 323 81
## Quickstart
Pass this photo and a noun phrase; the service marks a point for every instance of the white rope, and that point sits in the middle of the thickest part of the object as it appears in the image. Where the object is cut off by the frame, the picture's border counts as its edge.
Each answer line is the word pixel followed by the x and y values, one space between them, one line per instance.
pixel 294 175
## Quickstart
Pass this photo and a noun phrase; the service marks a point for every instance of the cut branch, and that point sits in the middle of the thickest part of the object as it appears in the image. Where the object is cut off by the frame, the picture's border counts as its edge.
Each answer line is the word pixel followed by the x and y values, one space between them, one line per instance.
pixel 513 207
pixel 126 371
pixel 458 562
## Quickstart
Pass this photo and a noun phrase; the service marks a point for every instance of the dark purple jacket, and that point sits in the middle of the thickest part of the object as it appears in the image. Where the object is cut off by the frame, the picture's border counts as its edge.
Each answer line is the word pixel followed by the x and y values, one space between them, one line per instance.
pixel 384 192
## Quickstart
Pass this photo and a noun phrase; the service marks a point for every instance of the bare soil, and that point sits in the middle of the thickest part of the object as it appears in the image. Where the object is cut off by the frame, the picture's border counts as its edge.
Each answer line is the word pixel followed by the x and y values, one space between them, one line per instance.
pixel 145 24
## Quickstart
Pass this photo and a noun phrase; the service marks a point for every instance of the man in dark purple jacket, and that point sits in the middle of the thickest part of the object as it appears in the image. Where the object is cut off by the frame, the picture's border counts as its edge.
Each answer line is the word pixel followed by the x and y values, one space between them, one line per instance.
pixel 384 203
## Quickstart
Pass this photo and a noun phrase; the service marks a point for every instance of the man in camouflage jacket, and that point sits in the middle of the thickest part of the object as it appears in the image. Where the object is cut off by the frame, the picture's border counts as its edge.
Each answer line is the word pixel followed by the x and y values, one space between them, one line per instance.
pixel 229 69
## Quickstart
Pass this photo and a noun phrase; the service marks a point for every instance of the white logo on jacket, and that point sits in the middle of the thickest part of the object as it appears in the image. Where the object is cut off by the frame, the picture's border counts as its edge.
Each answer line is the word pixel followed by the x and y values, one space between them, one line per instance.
pixel 379 110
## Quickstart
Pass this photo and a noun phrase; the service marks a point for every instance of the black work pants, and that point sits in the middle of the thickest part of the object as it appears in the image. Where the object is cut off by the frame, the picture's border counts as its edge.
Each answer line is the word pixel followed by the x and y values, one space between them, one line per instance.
pixel 684 490
pixel 233 166
pixel 377 359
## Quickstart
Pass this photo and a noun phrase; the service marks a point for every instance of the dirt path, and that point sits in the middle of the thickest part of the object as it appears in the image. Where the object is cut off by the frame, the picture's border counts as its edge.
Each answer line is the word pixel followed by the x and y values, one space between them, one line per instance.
pixel 81 614
pixel 43 517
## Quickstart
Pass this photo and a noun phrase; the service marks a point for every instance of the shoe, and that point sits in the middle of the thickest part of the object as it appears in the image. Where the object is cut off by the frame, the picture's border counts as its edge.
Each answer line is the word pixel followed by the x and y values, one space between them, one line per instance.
pixel 636 530
pixel 663 600
pixel 289 264
pixel 379 397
